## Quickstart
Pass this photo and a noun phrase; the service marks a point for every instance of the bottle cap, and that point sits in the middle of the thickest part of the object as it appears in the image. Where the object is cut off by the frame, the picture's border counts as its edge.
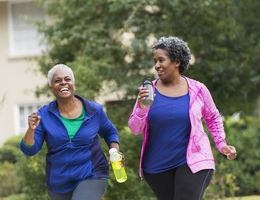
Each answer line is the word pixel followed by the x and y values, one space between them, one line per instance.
pixel 114 155
pixel 148 82
pixel 112 151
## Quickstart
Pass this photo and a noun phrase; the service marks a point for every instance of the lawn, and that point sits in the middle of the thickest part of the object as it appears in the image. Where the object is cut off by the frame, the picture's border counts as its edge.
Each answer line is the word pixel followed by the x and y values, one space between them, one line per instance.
pixel 244 198
pixel 13 197
pixel 20 197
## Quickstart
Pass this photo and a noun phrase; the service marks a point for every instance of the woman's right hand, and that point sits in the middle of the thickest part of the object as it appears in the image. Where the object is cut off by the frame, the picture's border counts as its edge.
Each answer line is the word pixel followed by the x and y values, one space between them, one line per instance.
pixel 33 121
pixel 143 92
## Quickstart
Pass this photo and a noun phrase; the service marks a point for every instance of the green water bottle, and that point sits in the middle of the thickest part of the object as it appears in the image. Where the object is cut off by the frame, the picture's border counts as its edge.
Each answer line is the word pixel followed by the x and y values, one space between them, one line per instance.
pixel 118 169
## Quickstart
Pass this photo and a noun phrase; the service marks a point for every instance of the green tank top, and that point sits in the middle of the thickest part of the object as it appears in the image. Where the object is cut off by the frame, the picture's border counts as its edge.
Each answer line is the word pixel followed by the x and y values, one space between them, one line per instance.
pixel 73 125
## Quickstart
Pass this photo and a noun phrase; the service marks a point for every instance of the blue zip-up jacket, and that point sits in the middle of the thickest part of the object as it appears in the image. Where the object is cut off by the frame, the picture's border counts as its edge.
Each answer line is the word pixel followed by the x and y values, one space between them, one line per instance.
pixel 68 162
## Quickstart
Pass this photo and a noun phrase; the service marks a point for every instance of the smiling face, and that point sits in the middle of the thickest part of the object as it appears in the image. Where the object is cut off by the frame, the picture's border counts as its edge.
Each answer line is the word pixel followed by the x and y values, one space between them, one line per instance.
pixel 62 85
pixel 166 69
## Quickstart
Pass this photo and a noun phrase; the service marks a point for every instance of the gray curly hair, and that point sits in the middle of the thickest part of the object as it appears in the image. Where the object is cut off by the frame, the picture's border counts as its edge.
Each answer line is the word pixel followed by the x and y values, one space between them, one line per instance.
pixel 58 67
pixel 177 50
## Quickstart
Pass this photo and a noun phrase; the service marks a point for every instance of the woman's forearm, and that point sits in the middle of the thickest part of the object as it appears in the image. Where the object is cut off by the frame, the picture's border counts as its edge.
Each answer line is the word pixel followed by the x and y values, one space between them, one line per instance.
pixel 29 137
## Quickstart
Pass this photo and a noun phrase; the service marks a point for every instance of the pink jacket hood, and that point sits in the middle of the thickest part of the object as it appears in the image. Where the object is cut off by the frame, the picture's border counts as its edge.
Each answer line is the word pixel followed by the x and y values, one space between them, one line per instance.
pixel 199 155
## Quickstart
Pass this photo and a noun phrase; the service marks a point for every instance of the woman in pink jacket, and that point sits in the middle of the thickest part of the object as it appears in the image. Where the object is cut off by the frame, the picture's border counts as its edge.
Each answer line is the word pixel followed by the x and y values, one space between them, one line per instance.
pixel 176 157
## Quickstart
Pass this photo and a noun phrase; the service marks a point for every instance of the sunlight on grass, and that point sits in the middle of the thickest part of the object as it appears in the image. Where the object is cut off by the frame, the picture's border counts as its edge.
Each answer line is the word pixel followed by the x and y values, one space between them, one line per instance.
pixel 14 197
pixel 244 198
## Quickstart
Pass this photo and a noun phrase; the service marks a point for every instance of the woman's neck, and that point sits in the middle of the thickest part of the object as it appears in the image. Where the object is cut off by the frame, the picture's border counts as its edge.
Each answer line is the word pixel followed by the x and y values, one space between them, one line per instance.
pixel 175 81
pixel 70 108
pixel 174 88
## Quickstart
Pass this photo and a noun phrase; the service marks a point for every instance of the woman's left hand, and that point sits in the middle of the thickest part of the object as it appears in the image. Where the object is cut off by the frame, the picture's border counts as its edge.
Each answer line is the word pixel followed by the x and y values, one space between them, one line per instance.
pixel 230 152
pixel 123 159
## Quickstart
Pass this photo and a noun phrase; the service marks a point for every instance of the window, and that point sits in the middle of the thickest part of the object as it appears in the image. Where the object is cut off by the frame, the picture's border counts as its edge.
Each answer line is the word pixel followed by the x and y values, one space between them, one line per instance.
pixel 24 40
pixel 21 114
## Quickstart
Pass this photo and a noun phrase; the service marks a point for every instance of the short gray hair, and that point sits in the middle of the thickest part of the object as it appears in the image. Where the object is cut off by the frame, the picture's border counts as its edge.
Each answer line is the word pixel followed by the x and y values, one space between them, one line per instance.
pixel 58 67
pixel 177 50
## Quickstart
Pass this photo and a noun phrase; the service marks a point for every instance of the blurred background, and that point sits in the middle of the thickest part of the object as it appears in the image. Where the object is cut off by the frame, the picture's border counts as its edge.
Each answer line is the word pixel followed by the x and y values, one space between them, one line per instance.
pixel 108 44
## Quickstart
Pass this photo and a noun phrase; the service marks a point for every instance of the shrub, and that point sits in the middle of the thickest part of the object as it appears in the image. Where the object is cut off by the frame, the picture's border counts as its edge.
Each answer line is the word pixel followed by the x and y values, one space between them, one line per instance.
pixel 31 172
pixel 240 176
pixel 9 182
pixel 9 154
pixel 244 134
pixel 10 150
pixel 134 188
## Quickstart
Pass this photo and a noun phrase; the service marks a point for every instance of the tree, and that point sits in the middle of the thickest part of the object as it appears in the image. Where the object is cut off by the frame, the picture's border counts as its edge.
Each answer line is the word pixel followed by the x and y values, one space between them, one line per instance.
pixel 223 39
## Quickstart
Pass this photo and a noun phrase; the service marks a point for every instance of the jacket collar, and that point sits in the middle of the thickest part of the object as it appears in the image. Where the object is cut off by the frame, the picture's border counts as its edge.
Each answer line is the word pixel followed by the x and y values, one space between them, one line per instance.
pixel 89 108
pixel 194 88
pixel 189 81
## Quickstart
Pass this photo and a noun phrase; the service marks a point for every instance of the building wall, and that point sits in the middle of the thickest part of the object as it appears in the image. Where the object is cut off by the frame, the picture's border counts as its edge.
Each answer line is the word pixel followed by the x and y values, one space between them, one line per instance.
pixel 18 80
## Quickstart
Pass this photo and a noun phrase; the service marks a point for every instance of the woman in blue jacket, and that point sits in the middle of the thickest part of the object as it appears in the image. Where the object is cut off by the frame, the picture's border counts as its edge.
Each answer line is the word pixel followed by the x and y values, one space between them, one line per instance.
pixel 76 168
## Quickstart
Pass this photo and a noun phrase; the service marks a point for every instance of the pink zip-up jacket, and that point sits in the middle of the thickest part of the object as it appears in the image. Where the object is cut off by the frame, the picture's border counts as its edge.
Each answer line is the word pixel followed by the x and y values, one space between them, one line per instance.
pixel 199 155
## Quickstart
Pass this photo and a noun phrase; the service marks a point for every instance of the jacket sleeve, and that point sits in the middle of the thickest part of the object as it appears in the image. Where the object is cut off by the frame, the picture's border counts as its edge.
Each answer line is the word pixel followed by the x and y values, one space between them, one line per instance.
pixel 107 130
pixel 213 119
pixel 137 119
pixel 38 140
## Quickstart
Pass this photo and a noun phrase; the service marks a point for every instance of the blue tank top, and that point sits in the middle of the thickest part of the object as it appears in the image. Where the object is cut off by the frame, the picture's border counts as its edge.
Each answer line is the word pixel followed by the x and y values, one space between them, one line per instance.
pixel 169 131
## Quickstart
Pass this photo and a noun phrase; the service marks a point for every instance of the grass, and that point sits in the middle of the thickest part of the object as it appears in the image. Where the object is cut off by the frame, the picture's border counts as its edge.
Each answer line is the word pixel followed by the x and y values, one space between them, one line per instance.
pixel 244 198
pixel 21 197
pixel 13 197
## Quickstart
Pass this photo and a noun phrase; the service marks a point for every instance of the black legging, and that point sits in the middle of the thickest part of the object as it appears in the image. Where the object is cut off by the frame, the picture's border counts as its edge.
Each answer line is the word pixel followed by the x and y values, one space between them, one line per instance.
pixel 179 183
pixel 92 189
